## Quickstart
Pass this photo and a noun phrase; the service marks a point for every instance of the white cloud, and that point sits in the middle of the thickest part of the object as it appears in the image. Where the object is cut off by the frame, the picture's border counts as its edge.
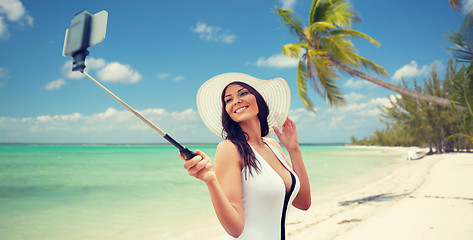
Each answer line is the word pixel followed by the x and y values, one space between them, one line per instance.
pixel 94 63
pixel 4 73
pixel 353 97
pixel 13 9
pixel 412 70
pixel 174 78
pixel 277 61
pixel 162 75
pixel 358 84
pixel 46 118
pixel 287 4
pixel 409 70
pixel 178 78
pixel 110 126
pixel 117 72
pixel 112 72
pixel 15 12
pixel 336 121
pixel 55 85
pixel 213 33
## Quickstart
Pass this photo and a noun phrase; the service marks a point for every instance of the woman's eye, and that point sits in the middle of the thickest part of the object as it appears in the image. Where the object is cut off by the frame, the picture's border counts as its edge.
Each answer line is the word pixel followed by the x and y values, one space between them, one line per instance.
pixel 243 93
pixel 228 100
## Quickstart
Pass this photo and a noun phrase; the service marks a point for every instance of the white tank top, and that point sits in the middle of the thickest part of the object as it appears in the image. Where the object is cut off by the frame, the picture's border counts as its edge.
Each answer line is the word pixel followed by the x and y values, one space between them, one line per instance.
pixel 265 202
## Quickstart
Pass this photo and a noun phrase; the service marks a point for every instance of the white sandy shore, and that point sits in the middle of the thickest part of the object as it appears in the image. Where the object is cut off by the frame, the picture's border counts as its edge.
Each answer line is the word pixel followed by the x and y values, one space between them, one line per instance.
pixel 430 198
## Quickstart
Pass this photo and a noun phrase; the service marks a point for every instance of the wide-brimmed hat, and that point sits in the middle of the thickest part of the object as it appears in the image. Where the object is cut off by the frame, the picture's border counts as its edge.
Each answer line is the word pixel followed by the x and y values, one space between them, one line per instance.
pixel 275 92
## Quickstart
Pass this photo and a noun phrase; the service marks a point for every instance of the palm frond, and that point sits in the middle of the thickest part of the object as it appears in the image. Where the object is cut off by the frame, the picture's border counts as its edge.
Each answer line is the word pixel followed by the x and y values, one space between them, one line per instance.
pixel 320 62
pixel 460 49
pixel 326 79
pixel 457 135
pixel 340 13
pixel 291 21
pixel 321 27
pixel 302 86
pixel 355 34
pixel 337 12
pixel 318 11
pixel 369 65
pixel 293 49
pixel 340 48
pixel 462 87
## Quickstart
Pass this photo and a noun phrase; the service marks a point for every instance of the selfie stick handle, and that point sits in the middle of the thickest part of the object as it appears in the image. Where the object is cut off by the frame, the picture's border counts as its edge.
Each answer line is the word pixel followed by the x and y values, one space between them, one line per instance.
pixel 183 150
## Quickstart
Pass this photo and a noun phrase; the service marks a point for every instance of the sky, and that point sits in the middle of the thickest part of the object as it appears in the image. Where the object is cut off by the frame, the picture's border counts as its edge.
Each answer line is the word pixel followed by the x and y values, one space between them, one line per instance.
pixel 156 54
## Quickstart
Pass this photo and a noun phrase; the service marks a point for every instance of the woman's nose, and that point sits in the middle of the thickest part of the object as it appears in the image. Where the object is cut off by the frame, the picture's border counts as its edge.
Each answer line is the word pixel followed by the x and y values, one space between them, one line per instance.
pixel 236 100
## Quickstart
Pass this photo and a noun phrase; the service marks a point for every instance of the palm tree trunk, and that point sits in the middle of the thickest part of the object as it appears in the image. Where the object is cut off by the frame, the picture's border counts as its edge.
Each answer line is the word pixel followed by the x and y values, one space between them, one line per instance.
pixel 403 91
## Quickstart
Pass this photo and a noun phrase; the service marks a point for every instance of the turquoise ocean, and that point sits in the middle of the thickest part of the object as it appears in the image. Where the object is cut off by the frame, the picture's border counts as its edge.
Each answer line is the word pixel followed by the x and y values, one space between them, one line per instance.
pixel 129 191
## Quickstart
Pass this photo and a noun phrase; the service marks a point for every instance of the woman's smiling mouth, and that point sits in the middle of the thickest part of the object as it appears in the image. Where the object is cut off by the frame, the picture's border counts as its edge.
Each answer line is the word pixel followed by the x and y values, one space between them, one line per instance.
pixel 241 109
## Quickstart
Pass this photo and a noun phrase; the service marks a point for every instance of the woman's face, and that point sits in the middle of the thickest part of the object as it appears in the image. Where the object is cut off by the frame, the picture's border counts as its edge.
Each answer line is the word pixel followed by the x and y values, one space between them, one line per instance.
pixel 240 104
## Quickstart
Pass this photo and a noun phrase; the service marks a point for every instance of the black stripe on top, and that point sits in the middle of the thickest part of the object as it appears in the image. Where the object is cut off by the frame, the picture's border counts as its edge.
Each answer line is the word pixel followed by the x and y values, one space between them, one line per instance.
pixel 284 210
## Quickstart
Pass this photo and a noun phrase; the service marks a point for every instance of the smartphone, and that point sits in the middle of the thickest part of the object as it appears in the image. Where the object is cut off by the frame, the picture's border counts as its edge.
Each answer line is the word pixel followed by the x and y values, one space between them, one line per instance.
pixel 86 30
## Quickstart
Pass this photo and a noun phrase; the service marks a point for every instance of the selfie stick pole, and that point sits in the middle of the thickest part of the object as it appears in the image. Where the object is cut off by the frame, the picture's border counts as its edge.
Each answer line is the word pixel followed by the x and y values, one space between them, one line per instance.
pixel 183 150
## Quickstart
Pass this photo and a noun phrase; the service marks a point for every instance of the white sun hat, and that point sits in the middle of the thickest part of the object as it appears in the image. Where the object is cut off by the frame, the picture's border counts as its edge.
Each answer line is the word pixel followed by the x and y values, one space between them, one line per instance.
pixel 275 92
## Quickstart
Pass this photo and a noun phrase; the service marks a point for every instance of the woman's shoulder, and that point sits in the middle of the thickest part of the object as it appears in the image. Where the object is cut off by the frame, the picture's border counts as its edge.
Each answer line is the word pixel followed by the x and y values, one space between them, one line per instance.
pixel 227 145
pixel 228 149
pixel 227 152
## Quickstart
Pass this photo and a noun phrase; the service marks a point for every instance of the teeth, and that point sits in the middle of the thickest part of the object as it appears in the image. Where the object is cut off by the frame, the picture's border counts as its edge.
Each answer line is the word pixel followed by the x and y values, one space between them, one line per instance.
pixel 240 109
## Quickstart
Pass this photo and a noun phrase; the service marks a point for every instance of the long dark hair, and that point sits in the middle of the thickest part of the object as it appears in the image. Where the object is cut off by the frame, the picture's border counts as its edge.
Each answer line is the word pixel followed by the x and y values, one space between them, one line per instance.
pixel 238 137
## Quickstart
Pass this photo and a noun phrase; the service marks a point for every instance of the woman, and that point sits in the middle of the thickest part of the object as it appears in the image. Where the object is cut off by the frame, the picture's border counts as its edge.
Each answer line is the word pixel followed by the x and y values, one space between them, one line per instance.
pixel 252 184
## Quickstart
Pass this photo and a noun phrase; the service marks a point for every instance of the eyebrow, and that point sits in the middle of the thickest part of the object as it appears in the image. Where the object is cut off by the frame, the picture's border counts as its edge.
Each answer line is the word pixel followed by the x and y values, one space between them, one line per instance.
pixel 229 95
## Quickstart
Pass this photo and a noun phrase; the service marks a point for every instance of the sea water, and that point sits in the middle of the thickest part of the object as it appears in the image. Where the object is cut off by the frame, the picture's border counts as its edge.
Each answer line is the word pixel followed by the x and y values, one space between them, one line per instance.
pixel 128 191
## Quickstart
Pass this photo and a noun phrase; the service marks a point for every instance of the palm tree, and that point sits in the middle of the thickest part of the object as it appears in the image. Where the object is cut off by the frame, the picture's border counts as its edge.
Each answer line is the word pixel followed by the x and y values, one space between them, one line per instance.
pixel 462 86
pixel 325 47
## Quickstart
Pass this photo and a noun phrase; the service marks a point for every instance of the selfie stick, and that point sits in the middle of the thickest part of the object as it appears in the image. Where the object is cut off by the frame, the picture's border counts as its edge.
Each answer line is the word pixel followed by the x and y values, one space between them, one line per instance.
pixel 80 36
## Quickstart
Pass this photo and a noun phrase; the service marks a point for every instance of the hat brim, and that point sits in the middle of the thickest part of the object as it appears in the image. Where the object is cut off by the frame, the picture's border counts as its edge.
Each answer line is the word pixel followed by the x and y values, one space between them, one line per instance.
pixel 275 92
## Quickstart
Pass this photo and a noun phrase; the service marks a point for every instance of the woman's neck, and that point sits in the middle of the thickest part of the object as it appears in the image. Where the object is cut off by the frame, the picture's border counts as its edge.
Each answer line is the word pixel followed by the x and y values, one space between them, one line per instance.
pixel 253 131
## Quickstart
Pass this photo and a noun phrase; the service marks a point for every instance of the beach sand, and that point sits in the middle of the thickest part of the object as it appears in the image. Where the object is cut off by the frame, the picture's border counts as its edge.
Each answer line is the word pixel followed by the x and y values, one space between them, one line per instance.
pixel 430 198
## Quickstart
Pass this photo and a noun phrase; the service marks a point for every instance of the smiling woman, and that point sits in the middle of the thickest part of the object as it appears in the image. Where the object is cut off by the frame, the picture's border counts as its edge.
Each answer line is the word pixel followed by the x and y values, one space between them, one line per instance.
pixel 253 184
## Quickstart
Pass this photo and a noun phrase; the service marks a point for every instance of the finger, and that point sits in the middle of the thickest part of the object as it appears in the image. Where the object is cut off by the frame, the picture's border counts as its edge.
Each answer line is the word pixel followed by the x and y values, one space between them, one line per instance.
pixel 198 167
pixel 198 152
pixel 276 130
pixel 208 166
pixel 288 119
pixel 191 162
pixel 289 124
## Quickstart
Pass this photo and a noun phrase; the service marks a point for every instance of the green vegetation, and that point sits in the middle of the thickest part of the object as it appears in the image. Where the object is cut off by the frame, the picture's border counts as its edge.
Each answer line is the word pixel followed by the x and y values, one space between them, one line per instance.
pixel 411 122
pixel 417 123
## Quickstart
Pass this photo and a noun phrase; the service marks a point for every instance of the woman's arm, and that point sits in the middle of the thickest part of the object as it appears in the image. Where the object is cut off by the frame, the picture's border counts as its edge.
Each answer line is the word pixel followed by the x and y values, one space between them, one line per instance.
pixel 290 141
pixel 224 184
